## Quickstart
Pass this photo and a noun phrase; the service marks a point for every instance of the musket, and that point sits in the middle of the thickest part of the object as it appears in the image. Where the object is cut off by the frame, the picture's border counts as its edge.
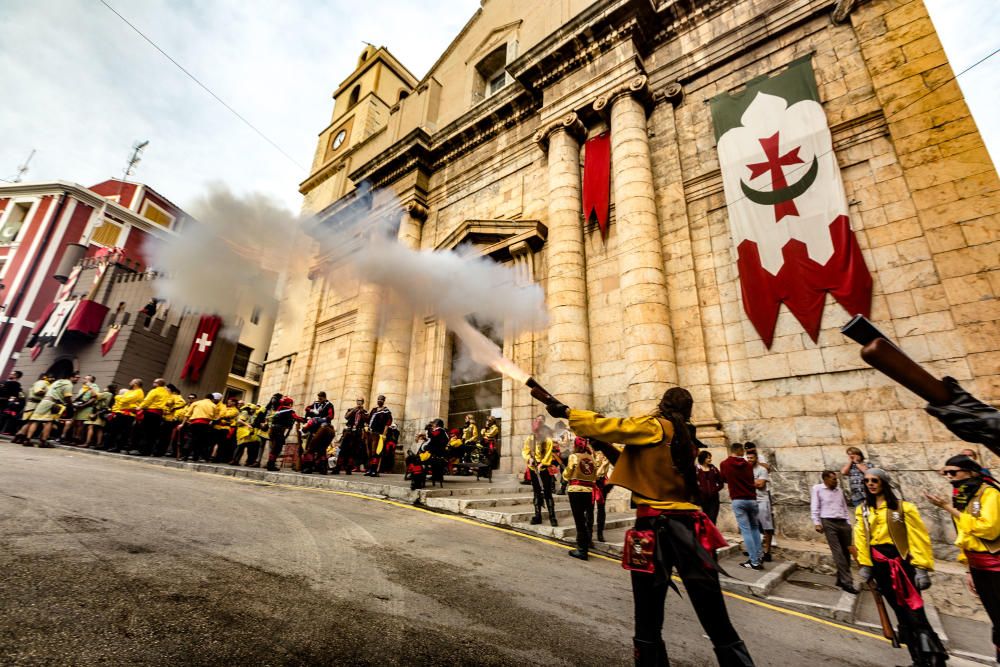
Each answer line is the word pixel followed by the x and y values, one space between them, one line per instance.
pixel 883 616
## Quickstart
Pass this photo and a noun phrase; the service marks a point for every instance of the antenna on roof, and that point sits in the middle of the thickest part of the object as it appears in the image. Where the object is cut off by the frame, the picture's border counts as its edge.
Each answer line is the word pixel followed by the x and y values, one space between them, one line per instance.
pixel 23 169
pixel 134 159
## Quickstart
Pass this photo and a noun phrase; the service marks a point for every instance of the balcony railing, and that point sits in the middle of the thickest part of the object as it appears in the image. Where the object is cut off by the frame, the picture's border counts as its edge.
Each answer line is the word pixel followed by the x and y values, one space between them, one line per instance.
pixel 252 372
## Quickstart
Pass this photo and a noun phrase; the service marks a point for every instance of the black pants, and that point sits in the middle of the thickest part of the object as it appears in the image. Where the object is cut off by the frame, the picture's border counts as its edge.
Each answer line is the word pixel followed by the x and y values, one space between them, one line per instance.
pixel 710 506
pixel 251 447
pixel 914 629
pixel 541 486
pixel 988 587
pixel 277 436
pixel 199 441
pixel 582 504
pixel 148 433
pixel 119 431
pixel 675 540
pixel 839 536
pixel 224 445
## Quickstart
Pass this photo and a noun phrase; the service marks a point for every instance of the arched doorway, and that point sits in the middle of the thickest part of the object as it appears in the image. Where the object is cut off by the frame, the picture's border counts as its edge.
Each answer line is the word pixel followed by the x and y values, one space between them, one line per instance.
pixel 62 369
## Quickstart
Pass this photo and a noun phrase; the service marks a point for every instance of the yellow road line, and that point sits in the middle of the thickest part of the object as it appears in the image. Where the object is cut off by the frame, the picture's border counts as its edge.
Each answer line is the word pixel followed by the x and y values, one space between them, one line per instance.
pixel 536 538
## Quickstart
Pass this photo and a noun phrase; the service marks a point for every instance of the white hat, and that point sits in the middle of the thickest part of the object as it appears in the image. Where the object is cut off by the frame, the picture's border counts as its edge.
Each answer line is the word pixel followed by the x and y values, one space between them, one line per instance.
pixel 217 396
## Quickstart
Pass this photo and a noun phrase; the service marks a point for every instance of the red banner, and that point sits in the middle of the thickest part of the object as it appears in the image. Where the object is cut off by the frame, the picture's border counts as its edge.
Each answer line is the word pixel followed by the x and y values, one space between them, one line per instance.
pixel 201 347
pixel 597 181
pixel 109 339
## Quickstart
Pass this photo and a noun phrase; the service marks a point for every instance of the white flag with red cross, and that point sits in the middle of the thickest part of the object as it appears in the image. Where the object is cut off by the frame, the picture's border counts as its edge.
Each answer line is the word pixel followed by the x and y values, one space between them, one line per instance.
pixel 788 213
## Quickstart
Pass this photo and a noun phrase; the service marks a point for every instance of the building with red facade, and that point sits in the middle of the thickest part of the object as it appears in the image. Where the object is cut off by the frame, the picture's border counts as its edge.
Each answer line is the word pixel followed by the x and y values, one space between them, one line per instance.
pixel 43 225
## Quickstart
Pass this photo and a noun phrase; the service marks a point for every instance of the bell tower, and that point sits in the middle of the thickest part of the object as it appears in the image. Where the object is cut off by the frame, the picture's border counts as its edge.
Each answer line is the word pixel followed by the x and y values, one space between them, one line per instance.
pixel 361 106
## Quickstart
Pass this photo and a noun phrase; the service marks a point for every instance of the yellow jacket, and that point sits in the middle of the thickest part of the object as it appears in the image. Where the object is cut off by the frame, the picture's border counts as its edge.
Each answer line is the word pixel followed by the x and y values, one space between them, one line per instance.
pixel 917 537
pixel 130 400
pixel 203 409
pixel 491 432
pixel 979 523
pixel 537 454
pixel 582 467
pixel 158 398
pixel 470 434
pixel 645 466
pixel 175 411
pixel 227 417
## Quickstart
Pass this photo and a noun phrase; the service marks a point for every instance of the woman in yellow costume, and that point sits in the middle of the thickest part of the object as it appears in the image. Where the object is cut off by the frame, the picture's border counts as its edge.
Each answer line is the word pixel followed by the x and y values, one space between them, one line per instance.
pixel 894 550
pixel 975 507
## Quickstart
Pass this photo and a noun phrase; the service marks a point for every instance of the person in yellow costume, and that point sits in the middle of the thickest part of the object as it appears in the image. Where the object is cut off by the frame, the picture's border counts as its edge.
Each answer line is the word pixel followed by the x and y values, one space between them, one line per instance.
pixel 975 508
pixel 31 401
pixel 537 455
pixel 657 464
pixel 580 474
pixel 894 550
pixel 225 431
pixel 58 397
pixel 247 437
pixel 491 441
pixel 123 416
pixel 172 417
pixel 470 439
pixel 149 419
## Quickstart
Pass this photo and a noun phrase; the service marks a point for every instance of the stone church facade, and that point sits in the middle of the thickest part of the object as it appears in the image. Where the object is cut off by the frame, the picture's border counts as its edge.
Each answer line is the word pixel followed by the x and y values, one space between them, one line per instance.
pixel 487 150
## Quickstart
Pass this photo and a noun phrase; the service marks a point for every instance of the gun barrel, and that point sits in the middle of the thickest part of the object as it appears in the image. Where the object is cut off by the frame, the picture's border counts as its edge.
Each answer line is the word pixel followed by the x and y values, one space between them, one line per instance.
pixel 882 355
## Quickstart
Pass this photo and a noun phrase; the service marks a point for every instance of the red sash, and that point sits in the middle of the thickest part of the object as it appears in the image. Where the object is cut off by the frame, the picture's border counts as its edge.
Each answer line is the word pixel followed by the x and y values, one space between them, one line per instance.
pixel 907 594
pixel 595 491
pixel 706 532
pixel 200 421
pixel 983 560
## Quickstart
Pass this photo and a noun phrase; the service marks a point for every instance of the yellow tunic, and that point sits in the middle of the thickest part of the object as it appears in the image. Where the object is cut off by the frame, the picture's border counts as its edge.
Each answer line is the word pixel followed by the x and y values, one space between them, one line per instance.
pixel 203 409
pixel 158 398
pixel 636 433
pixel 537 455
pixel 227 417
pixel 175 411
pixel 130 400
pixel 973 530
pixel 470 434
pixel 917 537
pixel 581 467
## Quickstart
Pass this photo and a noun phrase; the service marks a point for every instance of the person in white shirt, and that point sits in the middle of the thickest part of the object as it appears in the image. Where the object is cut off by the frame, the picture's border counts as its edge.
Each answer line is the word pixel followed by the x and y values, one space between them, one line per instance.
pixel 762 482
pixel 829 513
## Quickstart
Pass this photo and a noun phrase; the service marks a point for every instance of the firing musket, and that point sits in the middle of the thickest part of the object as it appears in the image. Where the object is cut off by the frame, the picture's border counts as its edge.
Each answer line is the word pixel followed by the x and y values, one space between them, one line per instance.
pixel 963 414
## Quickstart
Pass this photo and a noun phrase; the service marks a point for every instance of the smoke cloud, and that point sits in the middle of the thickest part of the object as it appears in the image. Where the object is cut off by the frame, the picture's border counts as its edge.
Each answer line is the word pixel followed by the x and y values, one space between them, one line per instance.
pixel 247 242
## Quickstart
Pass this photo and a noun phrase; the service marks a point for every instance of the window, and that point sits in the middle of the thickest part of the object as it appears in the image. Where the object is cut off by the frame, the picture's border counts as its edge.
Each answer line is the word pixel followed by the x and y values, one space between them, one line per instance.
pixel 255 315
pixel 491 74
pixel 154 213
pixel 355 96
pixel 106 234
pixel 241 360
pixel 18 214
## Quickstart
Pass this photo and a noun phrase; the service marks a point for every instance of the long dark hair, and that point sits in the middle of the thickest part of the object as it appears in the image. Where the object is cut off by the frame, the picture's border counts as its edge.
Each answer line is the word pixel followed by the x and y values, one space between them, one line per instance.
pixel 890 497
pixel 675 407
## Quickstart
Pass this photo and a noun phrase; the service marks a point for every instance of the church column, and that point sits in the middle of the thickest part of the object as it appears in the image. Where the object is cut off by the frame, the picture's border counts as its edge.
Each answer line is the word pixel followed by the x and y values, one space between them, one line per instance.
pixel 393 355
pixel 361 354
pixel 650 366
pixel 568 373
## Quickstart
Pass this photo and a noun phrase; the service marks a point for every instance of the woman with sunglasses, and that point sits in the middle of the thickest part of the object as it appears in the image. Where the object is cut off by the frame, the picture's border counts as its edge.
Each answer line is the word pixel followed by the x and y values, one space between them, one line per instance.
pixel 975 507
pixel 894 549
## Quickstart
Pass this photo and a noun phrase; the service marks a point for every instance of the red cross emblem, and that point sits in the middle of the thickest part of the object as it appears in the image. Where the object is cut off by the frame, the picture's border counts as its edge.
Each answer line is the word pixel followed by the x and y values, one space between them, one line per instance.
pixel 781 195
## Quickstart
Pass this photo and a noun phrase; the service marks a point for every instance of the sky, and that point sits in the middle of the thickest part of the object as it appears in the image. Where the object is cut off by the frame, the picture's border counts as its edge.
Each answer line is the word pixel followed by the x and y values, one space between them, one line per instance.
pixel 80 86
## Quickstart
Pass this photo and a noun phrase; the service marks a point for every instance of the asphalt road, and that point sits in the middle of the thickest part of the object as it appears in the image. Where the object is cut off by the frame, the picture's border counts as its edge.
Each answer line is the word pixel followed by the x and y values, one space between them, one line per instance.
pixel 116 562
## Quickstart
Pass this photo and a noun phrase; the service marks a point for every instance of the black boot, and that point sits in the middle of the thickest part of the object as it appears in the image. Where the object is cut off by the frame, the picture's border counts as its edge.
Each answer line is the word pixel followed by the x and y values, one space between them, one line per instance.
pixel 733 655
pixel 601 518
pixel 537 519
pixel 551 506
pixel 650 654
pixel 579 553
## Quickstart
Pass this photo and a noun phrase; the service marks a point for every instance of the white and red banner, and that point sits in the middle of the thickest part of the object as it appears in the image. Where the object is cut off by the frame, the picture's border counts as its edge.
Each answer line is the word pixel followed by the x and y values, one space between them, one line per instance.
pixel 787 209
pixel 201 347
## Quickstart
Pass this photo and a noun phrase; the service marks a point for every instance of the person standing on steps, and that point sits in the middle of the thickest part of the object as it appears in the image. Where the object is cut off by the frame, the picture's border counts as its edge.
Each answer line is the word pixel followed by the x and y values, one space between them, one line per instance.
pixel 762 486
pixel 830 516
pixel 581 478
pixel 537 455
pixel 894 550
pixel 605 487
pixel 709 484
pixel 737 473
pixel 657 464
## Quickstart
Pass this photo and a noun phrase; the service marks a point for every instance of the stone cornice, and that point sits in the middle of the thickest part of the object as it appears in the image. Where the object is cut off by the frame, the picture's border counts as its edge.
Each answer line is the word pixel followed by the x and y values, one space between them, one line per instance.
pixel 499 239
pixel 570 123
pixel 842 10
pixel 410 152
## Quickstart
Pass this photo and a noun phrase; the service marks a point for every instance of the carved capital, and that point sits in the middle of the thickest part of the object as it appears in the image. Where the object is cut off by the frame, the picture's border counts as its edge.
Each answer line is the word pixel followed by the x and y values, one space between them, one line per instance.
pixel 637 86
pixel 415 210
pixel 570 123
pixel 842 10
pixel 672 92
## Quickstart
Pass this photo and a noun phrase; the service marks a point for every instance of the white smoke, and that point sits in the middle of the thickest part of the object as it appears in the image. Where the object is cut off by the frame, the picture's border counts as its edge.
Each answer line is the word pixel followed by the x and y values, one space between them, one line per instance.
pixel 245 243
